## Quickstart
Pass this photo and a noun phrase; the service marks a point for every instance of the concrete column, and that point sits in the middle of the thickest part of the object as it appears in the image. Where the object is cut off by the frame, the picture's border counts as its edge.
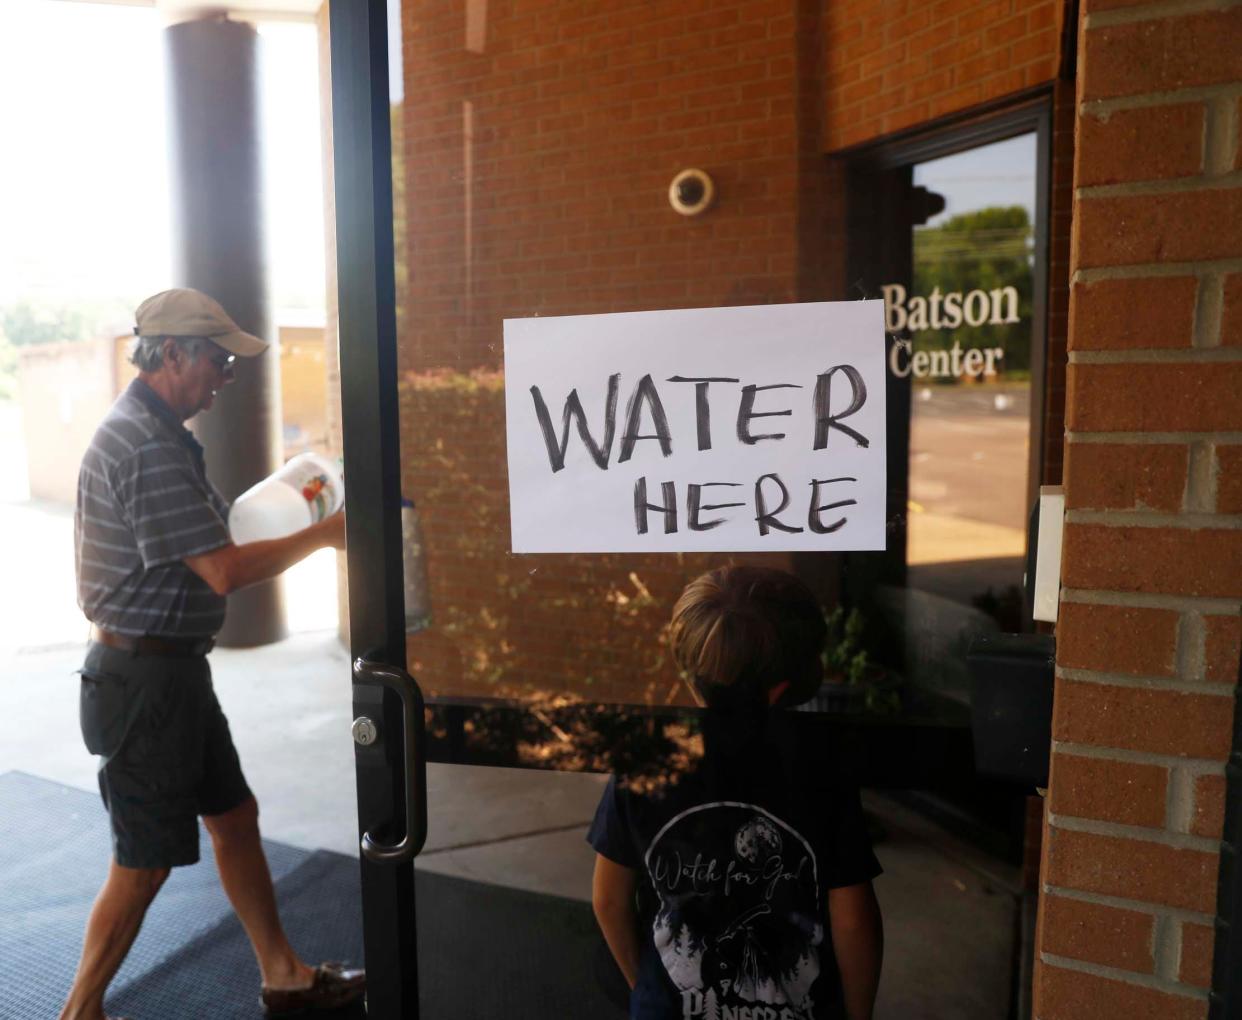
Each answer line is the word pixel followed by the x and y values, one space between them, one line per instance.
pixel 212 71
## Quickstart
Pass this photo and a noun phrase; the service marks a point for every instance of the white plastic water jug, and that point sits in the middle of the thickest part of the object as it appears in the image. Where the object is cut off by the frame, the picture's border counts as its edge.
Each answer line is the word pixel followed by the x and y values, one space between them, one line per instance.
pixel 303 492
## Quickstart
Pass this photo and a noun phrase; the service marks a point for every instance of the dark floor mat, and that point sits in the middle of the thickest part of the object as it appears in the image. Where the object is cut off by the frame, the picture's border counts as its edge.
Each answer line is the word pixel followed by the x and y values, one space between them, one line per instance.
pixel 54 855
pixel 215 974
pixel 484 951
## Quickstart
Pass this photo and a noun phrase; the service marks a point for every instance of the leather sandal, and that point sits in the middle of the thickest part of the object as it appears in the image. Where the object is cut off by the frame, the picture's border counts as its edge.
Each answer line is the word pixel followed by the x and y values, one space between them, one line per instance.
pixel 333 986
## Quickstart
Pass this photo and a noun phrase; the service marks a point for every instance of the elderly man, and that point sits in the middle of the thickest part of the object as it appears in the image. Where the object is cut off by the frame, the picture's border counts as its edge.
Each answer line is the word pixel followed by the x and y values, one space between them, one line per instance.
pixel 154 564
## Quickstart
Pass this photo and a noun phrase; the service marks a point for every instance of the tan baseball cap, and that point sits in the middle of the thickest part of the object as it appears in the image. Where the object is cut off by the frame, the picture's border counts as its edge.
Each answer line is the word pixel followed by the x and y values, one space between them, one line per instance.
pixel 187 312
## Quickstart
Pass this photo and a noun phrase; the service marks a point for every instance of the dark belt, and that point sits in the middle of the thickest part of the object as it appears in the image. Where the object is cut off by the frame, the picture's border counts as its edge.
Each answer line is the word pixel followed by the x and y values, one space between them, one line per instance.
pixel 149 644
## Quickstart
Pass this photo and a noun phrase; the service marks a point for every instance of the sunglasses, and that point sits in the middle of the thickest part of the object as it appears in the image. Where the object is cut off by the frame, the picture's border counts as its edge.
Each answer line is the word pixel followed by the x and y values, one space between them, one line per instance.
pixel 223 361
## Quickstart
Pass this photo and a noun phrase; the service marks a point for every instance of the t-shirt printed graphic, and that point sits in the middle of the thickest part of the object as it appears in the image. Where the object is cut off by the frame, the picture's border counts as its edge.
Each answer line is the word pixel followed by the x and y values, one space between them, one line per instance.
pixel 736 929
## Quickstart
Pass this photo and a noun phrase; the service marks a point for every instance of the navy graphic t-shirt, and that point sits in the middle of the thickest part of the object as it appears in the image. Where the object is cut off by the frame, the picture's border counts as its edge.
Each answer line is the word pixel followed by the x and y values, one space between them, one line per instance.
pixel 734 868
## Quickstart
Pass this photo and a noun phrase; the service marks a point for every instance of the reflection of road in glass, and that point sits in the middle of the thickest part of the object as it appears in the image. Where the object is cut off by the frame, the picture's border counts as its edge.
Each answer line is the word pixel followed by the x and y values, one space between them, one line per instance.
pixel 968 464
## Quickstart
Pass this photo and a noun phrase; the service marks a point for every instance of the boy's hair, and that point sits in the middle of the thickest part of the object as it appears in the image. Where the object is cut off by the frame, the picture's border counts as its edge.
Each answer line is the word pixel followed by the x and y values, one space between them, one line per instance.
pixel 746 629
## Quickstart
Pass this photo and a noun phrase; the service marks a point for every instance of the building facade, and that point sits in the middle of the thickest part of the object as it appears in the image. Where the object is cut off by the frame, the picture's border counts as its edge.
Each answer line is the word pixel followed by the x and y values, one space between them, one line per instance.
pixel 1047 196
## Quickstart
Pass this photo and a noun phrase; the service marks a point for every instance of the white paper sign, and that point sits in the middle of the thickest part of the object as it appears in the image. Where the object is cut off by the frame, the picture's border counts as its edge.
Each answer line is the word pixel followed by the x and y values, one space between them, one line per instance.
pixel 708 429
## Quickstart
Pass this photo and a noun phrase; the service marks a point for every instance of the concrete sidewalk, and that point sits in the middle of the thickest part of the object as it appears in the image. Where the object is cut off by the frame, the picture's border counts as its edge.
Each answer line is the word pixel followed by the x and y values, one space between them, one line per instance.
pixel 289 709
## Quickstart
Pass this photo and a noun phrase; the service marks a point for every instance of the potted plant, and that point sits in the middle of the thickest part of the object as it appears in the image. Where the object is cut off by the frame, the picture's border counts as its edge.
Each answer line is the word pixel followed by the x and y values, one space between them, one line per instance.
pixel 852 682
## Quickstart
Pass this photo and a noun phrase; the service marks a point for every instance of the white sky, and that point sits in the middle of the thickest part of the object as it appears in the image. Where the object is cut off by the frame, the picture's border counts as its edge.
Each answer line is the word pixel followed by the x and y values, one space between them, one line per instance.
pixel 1002 173
pixel 83 177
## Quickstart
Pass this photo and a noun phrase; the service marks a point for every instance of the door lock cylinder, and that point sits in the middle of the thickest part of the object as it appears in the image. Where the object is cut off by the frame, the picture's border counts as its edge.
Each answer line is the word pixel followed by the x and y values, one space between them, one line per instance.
pixel 364 731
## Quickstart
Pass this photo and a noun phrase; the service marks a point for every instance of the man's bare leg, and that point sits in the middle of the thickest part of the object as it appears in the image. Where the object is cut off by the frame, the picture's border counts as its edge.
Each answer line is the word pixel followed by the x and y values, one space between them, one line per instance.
pixel 248 884
pixel 110 931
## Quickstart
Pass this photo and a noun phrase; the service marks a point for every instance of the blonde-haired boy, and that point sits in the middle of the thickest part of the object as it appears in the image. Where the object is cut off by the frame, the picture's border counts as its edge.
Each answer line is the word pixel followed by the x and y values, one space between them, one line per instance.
pixel 737 889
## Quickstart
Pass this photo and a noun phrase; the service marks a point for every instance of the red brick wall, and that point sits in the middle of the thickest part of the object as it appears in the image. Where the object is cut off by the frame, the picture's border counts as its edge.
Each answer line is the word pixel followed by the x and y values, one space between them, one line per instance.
pixel 535 161
pixel 893 64
pixel 1148 639
pixel 536 169
pixel 581 115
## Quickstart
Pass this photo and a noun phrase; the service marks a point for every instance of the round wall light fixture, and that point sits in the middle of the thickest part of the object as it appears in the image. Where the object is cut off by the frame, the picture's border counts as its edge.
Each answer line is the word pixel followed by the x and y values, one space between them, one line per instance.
pixel 691 192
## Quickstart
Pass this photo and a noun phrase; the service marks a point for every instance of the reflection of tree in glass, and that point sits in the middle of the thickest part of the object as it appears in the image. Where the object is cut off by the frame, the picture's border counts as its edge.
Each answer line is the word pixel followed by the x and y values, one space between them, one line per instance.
pixel 650 748
pixel 986 250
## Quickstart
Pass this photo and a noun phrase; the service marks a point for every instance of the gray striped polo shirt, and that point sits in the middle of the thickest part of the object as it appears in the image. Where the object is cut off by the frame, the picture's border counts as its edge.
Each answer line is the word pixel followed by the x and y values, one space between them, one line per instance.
pixel 144 505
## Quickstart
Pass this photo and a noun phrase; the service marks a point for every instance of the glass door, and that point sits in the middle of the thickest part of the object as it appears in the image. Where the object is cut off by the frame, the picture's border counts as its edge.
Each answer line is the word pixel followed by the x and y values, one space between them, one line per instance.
pixel 957 253
pixel 504 160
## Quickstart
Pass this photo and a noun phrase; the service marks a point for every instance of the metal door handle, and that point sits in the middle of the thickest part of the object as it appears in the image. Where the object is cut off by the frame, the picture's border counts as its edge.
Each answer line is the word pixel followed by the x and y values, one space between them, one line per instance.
pixel 405 687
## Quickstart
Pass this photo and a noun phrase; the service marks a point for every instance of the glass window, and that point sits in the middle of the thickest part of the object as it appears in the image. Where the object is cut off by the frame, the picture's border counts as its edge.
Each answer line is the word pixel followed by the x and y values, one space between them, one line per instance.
pixel 528 180
pixel 971 361
pixel 958 275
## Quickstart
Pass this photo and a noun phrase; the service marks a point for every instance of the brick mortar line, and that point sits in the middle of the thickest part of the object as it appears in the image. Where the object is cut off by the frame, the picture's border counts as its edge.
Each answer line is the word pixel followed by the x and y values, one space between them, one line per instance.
pixel 1180 798
pixel 1116 830
pixel 1209 605
pixel 1211 484
pixel 1121 903
pixel 1179 936
pixel 1208 134
pixel 1208 312
pixel 1154 438
pixel 1177 185
pixel 1195 767
pixel 1144 270
pixel 1220 130
pixel 1128 976
pixel 1153 11
pixel 1166 936
pixel 1234 136
pixel 1171 685
pixel 1170 810
pixel 1195 629
pixel 1205 355
pixel 1192 647
pixel 1143 519
pixel 1199 495
pixel 1170 97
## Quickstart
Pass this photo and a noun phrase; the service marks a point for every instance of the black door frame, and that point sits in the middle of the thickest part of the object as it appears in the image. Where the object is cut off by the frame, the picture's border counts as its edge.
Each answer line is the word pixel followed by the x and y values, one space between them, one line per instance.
pixel 879 250
pixel 382 691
